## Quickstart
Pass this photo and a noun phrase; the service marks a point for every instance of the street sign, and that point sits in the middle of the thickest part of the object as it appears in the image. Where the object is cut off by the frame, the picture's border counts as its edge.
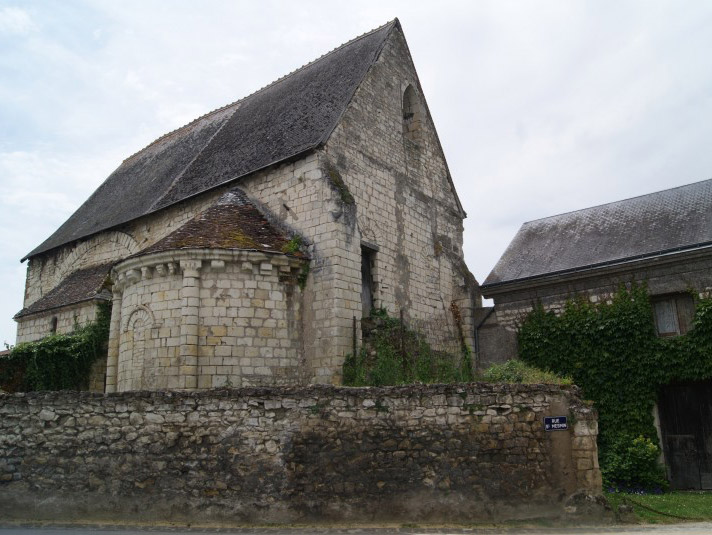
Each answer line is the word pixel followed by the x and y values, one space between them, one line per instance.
pixel 556 423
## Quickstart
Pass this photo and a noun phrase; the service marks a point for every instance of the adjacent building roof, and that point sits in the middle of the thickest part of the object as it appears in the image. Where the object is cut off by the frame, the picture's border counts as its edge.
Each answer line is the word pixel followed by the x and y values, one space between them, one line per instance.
pixel 289 117
pixel 82 285
pixel 673 220
pixel 233 222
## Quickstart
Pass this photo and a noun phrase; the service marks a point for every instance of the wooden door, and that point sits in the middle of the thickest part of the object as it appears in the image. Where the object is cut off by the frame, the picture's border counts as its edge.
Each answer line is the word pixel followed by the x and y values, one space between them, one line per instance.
pixel 686 424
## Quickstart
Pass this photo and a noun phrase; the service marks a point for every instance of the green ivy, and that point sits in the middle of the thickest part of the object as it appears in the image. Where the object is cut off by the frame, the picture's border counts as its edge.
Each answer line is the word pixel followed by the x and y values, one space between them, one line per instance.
pixel 293 245
pixel 396 355
pixel 612 352
pixel 58 361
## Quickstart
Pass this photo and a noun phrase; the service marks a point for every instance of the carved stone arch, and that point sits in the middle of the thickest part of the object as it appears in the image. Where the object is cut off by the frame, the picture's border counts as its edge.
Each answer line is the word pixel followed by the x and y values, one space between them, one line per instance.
pixel 140 313
pixel 138 362
pixel 367 232
pixel 126 245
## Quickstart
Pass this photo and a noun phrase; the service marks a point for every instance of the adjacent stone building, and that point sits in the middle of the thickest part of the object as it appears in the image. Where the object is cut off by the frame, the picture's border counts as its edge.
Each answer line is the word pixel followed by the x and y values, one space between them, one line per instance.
pixel 243 248
pixel 663 239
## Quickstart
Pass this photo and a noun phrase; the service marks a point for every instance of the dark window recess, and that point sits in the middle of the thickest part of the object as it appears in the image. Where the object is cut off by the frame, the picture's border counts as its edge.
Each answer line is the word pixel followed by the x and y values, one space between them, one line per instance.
pixel 53 325
pixel 368 257
pixel 412 115
pixel 673 314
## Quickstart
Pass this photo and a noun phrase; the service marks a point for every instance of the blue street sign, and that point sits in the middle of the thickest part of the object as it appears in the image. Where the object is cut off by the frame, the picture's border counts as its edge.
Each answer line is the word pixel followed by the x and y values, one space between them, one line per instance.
pixel 555 423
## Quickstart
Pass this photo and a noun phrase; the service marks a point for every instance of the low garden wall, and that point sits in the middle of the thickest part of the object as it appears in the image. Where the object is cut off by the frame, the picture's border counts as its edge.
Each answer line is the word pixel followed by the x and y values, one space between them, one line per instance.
pixel 287 454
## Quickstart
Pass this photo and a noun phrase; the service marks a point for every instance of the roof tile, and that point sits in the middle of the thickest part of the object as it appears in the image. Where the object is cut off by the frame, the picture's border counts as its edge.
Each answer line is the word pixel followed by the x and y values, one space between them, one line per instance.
pixel 288 117
pixel 233 222
pixel 674 219
pixel 82 285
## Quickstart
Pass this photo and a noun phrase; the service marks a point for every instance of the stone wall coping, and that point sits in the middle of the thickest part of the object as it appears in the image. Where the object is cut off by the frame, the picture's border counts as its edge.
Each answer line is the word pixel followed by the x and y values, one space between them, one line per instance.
pixel 322 390
pixel 625 265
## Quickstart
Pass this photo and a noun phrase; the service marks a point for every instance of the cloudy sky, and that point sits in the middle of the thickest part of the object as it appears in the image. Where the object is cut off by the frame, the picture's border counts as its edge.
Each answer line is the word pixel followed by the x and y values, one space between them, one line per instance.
pixel 542 107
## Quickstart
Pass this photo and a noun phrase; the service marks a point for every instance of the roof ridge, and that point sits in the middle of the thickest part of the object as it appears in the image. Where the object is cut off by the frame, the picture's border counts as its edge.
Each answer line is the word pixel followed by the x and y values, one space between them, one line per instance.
pixel 175 130
pixel 263 88
pixel 616 202
pixel 193 159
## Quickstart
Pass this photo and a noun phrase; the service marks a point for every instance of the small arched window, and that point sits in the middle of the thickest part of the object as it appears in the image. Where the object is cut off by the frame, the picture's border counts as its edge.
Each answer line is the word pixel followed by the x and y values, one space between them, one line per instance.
pixel 412 115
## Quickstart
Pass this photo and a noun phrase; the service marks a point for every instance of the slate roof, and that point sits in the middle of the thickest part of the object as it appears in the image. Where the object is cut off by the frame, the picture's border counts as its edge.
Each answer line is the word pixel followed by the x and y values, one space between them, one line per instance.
pixel 233 222
pixel 677 219
pixel 289 117
pixel 82 285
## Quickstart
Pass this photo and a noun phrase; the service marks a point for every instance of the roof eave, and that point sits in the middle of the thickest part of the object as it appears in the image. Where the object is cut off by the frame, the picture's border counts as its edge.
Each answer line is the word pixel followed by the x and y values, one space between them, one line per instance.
pixel 493 289
pixel 20 315
pixel 288 159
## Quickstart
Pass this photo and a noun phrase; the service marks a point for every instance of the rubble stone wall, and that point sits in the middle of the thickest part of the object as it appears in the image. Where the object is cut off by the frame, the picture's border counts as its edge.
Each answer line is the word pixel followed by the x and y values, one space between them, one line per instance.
pixel 289 454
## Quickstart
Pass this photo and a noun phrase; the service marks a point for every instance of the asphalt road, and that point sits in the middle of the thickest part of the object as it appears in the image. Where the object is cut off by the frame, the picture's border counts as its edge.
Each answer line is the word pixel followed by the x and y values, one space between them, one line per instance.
pixel 703 528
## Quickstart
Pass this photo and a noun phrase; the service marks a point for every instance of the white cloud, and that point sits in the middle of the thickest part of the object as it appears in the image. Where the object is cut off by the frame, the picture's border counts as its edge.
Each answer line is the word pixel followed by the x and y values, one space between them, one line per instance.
pixel 15 21
pixel 542 107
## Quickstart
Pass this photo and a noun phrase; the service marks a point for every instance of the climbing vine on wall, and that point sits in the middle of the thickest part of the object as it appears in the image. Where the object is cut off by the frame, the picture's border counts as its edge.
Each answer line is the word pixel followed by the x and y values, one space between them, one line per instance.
pixel 59 361
pixel 393 354
pixel 612 352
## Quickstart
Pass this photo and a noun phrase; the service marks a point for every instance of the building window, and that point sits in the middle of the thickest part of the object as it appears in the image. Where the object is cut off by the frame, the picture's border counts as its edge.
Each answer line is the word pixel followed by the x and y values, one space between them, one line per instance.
pixel 53 325
pixel 368 261
pixel 673 314
pixel 412 115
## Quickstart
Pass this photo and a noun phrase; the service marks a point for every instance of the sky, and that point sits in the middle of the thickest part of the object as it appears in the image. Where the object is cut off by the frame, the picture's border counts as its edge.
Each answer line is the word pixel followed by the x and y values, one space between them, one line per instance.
pixel 542 107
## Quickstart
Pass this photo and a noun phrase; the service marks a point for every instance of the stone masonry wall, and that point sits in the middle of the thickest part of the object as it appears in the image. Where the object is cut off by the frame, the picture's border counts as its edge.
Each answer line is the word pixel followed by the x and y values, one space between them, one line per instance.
pixel 305 202
pixel 413 453
pixel 674 274
pixel 299 197
pixel 664 276
pixel 45 271
pixel 404 204
pixel 204 319
pixel 38 326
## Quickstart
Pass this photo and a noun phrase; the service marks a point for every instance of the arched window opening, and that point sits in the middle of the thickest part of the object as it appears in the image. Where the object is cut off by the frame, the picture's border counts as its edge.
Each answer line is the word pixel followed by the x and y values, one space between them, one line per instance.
pixel 412 115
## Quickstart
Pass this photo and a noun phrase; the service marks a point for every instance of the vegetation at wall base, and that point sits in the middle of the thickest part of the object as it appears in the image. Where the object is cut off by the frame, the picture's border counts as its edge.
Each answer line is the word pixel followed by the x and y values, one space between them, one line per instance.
pixel 59 361
pixel 612 352
pixel 516 371
pixel 393 354
pixel 663 508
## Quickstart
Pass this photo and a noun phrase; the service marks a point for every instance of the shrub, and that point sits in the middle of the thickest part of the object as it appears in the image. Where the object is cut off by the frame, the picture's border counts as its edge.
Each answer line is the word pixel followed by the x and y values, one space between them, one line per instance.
pixel 630 464
pixel 59 361
pixel 392 354
pixel 612 352
pixel 516 371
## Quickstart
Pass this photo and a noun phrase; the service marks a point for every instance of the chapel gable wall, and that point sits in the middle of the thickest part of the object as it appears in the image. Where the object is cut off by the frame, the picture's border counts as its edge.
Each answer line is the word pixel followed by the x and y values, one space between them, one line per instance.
pixel 387 153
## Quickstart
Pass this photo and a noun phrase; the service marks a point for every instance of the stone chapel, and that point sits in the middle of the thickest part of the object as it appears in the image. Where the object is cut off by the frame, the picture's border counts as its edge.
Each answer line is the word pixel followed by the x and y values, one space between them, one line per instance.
pixel 245 247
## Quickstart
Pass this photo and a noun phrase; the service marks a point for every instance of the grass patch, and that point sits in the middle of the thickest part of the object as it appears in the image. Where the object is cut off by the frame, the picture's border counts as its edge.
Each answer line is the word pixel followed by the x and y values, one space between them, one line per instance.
pixel 667 508
pixel 516 371
pixel 293 246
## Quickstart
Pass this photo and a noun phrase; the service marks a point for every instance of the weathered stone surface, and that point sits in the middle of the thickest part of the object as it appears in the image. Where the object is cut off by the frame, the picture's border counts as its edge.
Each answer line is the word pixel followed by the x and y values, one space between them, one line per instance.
pixel 335 454
pixel 662 276
pixel 380 181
